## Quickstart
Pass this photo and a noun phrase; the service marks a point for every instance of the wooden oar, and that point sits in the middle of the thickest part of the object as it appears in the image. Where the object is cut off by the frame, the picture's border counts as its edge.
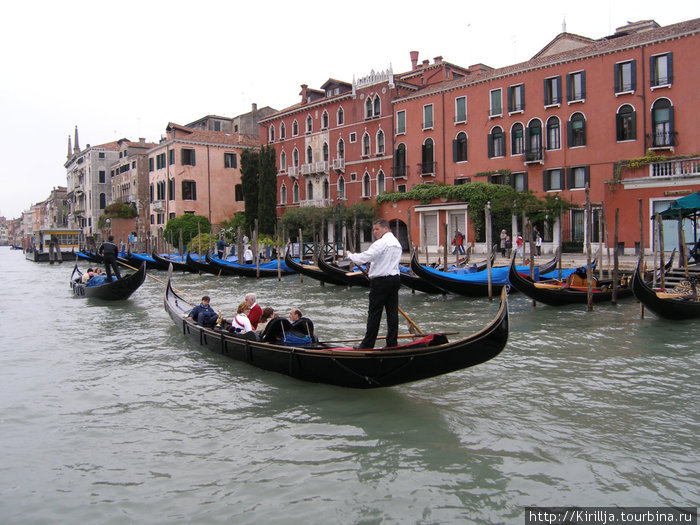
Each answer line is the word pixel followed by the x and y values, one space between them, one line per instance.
pixel 402 336
pixel 154 278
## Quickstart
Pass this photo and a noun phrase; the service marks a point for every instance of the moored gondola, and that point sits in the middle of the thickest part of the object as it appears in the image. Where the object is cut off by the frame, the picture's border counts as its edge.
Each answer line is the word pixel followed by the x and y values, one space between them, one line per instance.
pixel 351 276
pixel 116 290
pixel 572 290
pixel 427 356
pixel 670 304
pixel 412 281
pixel 201 264
pixel 268 269
pixel 179 264
pixel 311 270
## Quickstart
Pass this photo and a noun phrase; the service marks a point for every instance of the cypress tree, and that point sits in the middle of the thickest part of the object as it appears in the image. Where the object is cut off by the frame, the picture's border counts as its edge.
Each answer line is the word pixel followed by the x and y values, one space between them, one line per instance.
pixel 250 167
pixel 267 192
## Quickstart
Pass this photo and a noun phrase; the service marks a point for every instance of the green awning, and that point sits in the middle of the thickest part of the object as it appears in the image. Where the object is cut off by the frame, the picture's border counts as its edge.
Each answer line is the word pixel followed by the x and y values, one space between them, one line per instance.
pixel 687 206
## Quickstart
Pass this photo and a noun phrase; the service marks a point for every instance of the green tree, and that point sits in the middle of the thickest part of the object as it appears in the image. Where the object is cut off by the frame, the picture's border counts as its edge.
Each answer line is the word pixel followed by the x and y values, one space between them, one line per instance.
pixel 229 227
pixel 267 191
pixel 250 167
pixel 188 223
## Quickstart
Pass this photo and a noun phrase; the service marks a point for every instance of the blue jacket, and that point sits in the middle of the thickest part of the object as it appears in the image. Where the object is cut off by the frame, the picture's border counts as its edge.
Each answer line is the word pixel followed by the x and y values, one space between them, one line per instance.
pixel 203 314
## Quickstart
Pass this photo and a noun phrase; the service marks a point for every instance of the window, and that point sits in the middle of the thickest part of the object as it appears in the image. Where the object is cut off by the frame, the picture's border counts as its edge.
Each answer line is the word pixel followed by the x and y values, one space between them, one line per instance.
pixel 341 149
pixel 365 145
pixel 101 155
pixel 377 106
pixel 187 157
pixel 341 117
pixel 625 76
pixel 626 123
pixel 576 86
pixel 295 193
pixel 103 201
pixel 102 174
pixel 401 122
pixel 516 98
pixel 459 147
pixel 171 157
pixel 381 182
pixel 150 189
pixel 171 189
pixel 496 108
pixel 309 124
pixel 517 139
pixel 295 128
pixel 230 161
pixel 552 91
pixel 309 155
pixel 160 187
pixel 324 151
pixel 272 133
pixel 533 142
pixel 326 189
pixel 553 180
pixel 368 108
pixel 283 161
pixel 662 123
pixel 309 191
pixel 460 110
pixel 295 157
pixel 400 161
pixel 661 70
pixel 427 158
pixel 496 143
pixel 577 177
pixel 283 194
pixel 576 130
pixel 324 120
pixel 341 187
pixel 366 187
pixel 189 190
pixel 428 116
pixel 160 161
pixel 238 190
pixel 150 163
pixel 401 188
pixel 519 181
pixel 353 137
pixel 553 133
pixel 380 142
pixel 283 131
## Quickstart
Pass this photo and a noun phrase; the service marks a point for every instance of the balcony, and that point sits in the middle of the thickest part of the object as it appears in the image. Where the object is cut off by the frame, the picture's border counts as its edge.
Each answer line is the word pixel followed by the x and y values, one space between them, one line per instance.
pixel 293 172
pixel 661 140
pixel 307 169
pixel 321 166
pixel 158 205
pixel 676 168
pixel 427 169
pixel 399 172
pixel 339 164
pixel 534 156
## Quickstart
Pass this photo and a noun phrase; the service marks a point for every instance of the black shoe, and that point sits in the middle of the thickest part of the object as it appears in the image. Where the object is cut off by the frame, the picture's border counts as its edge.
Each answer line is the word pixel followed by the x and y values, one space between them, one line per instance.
pixel 361 347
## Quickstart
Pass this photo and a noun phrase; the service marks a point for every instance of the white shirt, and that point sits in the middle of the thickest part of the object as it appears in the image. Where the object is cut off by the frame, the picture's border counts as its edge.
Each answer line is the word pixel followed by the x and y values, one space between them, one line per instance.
pixel 248 255
pixel 384 254
pixel 242 323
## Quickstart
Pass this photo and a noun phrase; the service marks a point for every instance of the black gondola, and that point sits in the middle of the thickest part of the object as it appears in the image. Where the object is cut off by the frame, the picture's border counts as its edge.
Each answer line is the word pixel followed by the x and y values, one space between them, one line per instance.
pixel 412 281
pixel 179 266
pixel 666 304
pixel 268 269
pixel 311 270
pixel 559 293
pixel 117 290
pixel 351 278
pixel 202 266
pixel 429 356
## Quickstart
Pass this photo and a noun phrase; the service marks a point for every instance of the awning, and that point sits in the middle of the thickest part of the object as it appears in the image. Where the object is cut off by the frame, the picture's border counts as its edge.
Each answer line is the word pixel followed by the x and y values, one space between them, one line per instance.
pixel 685 207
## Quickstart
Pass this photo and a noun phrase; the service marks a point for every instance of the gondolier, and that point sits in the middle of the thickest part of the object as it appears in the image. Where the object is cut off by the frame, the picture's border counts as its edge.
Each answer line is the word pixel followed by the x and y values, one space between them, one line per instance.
pixel 384 255
pixel 109 251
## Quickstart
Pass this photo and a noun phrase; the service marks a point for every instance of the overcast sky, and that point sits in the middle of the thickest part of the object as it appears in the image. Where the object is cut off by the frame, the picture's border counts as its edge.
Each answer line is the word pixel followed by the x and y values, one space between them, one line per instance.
pixel 127 68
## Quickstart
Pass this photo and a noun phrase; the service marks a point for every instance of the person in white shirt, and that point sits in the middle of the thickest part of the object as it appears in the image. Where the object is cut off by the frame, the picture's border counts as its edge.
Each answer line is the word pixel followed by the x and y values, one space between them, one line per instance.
pixel 248 256
pixel 241 323
pixel 384 255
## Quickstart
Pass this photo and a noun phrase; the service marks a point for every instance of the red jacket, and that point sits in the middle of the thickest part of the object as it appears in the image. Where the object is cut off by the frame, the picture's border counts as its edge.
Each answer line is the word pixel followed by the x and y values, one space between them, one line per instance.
pixel 254 315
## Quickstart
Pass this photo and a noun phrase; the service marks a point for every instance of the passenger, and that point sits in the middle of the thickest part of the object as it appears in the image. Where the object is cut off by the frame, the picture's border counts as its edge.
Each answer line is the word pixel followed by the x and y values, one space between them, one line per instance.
pixel 86 277
pixel 294 315
pixel 255 310
pixel 204 314
pixel 267 314
pixel 241 323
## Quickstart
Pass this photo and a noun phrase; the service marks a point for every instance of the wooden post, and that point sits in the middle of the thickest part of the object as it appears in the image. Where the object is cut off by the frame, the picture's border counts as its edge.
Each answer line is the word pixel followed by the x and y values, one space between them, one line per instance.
pixel 354 231
pixel 239 245
pixel 524 235
pixel 181 243
pixel 616 260
pixel 682 240
pixel 444 249
pixel 489 247
pixel 661 251
pixel 199 237
pixel 589 229
pixel 681 245
pixel 278 247
pixel 301 255
pixel 256 255
pixel 641 250
pixel 561 241
pixel 408 231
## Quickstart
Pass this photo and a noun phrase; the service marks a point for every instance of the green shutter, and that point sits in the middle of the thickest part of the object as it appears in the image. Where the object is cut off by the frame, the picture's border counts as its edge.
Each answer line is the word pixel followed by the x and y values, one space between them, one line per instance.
pixel 568 86
pixel 583 84
pixel 616 74
pixel 587 179
pixel 569 133
pixel 634 125
pixel 633 70
pixel 510 99
pixel 569 178
pixel 545 180
pixel 670 68
pixel 652 71
pixel 672 140
pixel 490 146
pixel 455 150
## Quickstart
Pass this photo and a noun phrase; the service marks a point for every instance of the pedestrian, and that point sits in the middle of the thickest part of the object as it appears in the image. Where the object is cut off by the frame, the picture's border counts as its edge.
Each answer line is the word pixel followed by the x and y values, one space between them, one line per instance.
pixel 509 246
pixel 383 256
pixel 108 250
pixel 519 245
pixel 458 242
pixel 538 244
pixel 221 247
pixel 504 236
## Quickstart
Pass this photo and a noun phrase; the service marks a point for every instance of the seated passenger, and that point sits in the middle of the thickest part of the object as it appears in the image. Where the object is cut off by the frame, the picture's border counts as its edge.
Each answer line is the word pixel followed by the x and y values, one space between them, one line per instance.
pixel 241 323
pixel 267 314
pixel 203 314
pixel 86 277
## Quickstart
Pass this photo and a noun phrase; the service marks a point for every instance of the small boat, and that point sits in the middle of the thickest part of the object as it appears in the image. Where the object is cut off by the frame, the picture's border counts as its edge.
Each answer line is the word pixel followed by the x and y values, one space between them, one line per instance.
pixel 201 264
pixel 345 273
pixel 412 281
pixel 429 355
pixel 311 270
pixel 179 264
pixel 571 290
pixel 268 269
pixel 116 290
pixel 677 303
pixel 136 259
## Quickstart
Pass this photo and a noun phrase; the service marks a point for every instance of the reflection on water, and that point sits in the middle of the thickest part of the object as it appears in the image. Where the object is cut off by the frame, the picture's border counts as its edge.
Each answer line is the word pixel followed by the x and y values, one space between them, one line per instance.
pixel 109 415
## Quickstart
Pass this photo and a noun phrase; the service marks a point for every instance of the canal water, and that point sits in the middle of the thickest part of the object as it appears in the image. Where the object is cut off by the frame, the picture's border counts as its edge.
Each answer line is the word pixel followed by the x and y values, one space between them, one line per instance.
pixel 108 415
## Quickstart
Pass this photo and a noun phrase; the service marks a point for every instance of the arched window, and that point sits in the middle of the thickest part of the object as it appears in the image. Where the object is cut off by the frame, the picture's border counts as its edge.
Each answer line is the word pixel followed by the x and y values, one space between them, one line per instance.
pixel 496 143
pixel 295 128
pixel 283 131
pixel 341 187
pixel 341 116
pixel 368 108
pixel 295 157
pixel 283 161
pixel 309 191
pixel 366 187
pixel 380 142
pixel 283 194
pixel 326 189
pixel 272 133
pixel 365 145
pixel 427 158
pixel 576 130
pixel 553 133
pixel 626 123
pixel 400 161
pixel 309 155
pixel 517 138
pixel 381 182
pixel 309 124
pixel 324 120
pixel 377 106
pixel 295 193
pixel 325 151
pixel 459 147
pixel 662 123
pixel 341 149
pixel 533 142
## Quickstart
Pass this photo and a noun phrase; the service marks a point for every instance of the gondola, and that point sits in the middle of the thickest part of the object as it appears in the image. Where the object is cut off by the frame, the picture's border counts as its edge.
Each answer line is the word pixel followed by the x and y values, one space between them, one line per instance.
pixel 430 355
pixel 412 281
pixel 471 284
pixel 136 259
pixel 179 265
pixel 351 278
pixel 311 270
pixel 201 264
pixel 117 290
pixel 268 269
pixel 572 290
pixel 666 304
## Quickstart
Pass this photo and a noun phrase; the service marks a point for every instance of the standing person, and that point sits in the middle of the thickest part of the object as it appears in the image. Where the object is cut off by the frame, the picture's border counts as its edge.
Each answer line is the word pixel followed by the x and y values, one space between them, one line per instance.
pixel 458 242
pixel 504 237
pixel 538 243
pixel 384 255
pixel 108 250
pixel 248 256
pixel 221 247
pixel 509 246
pixel 255 310
pixel 519 245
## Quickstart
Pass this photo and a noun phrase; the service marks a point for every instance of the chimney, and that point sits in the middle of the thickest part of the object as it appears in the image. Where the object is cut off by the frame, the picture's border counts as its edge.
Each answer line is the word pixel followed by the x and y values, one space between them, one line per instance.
pixel 414 60
pixel 142 141
pixel 426 62
pixel 303 93
pixel 254 107
pixel 438 59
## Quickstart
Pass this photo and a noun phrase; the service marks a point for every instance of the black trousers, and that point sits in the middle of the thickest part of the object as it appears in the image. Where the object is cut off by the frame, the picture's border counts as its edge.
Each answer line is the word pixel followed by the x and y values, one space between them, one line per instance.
pixel 111 262
pixel 383 295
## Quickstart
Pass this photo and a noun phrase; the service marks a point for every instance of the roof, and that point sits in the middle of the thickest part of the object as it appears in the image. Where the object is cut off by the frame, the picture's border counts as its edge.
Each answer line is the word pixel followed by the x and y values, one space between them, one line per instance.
pixel 211 137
